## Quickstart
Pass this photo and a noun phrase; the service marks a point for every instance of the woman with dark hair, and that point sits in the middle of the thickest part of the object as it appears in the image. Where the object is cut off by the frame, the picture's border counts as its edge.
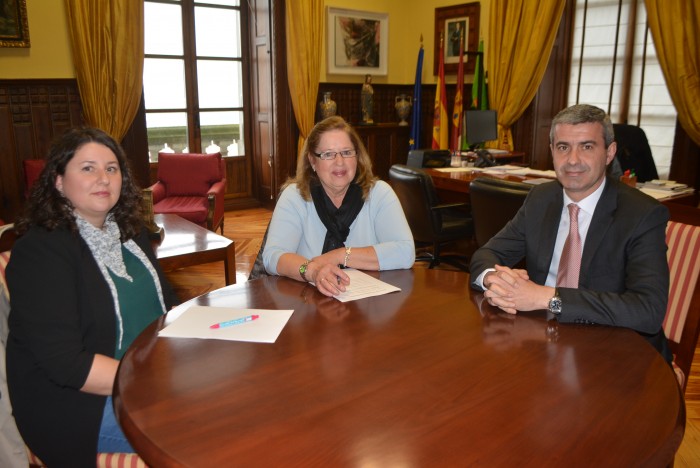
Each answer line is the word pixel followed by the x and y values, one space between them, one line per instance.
pixel 335 213
pixel 84 282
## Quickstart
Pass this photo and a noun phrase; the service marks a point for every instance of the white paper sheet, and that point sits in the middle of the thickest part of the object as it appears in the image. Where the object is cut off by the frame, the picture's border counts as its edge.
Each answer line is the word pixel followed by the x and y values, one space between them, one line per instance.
pixel 363 285
pixel 195 322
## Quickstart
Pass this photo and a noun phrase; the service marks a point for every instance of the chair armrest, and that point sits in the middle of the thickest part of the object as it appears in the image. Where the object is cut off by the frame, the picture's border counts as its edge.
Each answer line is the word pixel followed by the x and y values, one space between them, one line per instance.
pixel 215 210
pixel 445 206
pixel 217 188
pixel 158 190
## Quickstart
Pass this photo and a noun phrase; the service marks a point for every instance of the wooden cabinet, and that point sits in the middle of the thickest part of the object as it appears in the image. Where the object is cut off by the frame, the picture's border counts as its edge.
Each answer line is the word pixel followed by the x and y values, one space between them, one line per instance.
pixel 387 144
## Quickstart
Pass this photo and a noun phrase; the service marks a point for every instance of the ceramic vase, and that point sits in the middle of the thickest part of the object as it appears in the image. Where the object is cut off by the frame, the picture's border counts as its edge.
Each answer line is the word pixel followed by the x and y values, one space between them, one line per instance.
pixel 402 104
pixel 327 106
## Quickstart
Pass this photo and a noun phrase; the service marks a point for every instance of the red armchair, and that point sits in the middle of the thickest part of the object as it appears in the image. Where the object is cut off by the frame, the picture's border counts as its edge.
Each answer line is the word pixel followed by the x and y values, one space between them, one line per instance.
pixel 191 186
pixel 32 171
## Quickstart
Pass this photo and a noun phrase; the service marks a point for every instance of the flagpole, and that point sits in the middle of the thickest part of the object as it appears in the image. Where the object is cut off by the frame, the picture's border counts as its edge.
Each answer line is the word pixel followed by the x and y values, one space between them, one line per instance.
pixel 414 141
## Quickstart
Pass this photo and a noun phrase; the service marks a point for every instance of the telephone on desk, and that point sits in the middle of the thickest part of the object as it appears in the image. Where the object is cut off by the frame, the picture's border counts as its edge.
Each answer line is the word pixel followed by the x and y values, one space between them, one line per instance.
pixel 484 158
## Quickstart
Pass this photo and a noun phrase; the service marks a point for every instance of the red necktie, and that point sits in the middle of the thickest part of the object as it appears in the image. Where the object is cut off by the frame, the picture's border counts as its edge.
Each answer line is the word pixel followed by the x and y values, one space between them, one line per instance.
pixel 570 262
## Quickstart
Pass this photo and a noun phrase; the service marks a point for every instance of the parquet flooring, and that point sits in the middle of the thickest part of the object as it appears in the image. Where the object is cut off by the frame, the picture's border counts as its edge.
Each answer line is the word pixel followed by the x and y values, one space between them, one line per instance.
pixel 247 227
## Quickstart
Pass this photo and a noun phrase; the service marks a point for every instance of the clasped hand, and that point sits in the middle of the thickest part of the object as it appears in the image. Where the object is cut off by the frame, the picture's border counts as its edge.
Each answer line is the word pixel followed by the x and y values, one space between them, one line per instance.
pixel 329 279
pixel 511 290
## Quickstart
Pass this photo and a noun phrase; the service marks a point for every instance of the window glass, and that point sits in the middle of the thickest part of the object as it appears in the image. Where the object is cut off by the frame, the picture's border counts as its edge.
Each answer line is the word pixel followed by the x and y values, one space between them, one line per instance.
pixel 223 130
pixel 162 29
pixel 593 71
pixel 217 32
pixel 167 132
pixel 164 83
pixel 219 84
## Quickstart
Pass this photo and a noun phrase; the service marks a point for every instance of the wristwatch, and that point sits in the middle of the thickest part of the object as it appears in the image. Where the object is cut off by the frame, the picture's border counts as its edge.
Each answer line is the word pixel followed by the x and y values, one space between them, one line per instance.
pixel 555 303
pixel 302 270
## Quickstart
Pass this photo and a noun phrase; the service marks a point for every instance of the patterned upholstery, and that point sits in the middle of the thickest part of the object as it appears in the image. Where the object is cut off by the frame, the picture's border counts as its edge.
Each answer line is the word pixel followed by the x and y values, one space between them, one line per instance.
pixel 682 321
pixel 104 460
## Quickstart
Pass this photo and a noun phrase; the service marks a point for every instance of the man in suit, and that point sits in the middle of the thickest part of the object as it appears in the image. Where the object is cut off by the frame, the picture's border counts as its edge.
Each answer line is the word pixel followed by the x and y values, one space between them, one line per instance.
pixel 623 275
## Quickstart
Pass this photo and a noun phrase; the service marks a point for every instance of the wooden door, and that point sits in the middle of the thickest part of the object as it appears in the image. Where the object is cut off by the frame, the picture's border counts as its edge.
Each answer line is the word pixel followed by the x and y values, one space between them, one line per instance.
pixel 262 111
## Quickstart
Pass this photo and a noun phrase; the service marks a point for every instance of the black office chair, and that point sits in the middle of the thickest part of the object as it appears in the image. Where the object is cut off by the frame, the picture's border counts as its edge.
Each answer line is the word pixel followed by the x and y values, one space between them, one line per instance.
pixel 494 203
pixel 431 222
pixel 634 152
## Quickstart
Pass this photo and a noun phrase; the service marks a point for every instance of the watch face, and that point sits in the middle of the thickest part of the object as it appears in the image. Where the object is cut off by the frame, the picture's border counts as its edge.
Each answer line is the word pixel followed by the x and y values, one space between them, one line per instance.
pixel 555 305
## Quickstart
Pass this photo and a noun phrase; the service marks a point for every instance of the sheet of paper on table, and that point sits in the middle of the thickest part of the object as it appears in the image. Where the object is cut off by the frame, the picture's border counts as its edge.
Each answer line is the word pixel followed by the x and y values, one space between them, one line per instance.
pixel 363 285
pixel 663 194
pixel 195 323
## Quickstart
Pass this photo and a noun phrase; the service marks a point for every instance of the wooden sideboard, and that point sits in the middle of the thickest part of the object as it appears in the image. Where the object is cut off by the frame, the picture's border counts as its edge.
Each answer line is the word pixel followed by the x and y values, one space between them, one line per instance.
pixel 387 144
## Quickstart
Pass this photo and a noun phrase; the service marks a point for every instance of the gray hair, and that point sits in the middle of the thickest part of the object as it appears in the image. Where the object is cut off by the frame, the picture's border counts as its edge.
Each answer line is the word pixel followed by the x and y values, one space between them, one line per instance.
pixel 584 113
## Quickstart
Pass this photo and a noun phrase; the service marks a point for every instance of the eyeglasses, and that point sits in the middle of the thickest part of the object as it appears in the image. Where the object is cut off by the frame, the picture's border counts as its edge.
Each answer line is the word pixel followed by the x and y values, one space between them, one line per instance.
pixel 332 154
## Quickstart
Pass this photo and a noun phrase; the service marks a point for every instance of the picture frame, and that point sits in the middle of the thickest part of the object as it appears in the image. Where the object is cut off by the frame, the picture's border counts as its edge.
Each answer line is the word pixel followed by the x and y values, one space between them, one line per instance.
pixel 14 27
pixel 449 21
pixel 357 42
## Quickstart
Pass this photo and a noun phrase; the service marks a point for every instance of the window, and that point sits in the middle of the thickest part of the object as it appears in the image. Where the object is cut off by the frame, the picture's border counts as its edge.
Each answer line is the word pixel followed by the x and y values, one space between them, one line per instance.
pixel 192 76
pixel 601 61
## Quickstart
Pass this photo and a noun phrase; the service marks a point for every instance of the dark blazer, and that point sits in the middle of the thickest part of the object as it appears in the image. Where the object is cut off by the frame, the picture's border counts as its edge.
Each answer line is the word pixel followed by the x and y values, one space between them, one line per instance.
pixel 62 314
pixel 624 269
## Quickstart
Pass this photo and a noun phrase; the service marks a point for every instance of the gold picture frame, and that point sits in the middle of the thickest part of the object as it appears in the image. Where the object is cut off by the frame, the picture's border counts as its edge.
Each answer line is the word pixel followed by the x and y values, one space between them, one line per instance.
pixel 448 22
pixel 14 27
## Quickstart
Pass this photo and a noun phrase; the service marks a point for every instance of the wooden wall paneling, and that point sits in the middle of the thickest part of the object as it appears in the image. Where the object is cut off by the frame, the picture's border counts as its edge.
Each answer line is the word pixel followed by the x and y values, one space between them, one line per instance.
pixel 32 113
pixel 685 159
pixel 387 144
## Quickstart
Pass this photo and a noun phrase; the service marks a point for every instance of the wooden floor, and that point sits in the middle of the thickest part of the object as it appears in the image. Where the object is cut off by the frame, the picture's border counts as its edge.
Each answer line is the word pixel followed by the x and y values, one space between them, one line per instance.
pixel 247 227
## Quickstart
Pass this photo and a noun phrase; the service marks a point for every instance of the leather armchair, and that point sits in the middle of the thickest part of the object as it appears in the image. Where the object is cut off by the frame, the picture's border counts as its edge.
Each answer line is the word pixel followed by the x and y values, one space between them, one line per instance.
pixel 494 203
pixel 431 221
pixel 32 171
pixel 634 153
pixel 191 186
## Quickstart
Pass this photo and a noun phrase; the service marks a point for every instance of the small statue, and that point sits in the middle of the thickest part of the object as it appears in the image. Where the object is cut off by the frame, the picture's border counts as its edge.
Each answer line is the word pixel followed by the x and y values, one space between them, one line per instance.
pixel 367 100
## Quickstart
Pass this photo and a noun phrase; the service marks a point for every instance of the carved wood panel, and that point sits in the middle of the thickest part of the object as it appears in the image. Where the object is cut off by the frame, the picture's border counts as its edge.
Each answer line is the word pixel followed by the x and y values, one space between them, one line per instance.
pixel 32 114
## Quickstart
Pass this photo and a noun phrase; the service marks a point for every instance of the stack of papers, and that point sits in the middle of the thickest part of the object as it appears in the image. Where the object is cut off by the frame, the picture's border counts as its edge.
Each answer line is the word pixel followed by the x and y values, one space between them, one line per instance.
pixel 668 185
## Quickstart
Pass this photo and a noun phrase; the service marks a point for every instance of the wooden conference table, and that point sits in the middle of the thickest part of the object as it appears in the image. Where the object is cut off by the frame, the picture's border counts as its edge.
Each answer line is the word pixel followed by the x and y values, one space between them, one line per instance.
pixel 429 376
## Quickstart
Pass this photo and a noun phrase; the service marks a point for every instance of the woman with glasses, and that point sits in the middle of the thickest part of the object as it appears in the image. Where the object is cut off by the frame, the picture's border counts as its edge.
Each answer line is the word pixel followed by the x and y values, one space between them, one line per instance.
pixel 336 214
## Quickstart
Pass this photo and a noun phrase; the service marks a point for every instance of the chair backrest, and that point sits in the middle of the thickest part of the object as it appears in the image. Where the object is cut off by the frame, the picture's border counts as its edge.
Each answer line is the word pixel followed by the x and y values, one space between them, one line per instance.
pixel 32 170
pixel 494 202
pixel 634 152
pixel 416 192
pixel 682 322
pixel 189 173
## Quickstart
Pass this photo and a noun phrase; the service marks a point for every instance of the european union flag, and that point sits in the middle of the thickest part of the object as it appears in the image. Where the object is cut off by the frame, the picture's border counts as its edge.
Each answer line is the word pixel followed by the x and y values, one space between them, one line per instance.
pixel 414 142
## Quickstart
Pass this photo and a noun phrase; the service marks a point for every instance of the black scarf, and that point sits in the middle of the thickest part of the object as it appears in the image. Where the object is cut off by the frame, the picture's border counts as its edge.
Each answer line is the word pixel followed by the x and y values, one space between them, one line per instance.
pixel 337 220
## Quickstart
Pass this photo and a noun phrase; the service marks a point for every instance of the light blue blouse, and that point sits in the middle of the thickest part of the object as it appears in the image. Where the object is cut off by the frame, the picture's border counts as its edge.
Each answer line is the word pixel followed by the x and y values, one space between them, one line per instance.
pixel 296 227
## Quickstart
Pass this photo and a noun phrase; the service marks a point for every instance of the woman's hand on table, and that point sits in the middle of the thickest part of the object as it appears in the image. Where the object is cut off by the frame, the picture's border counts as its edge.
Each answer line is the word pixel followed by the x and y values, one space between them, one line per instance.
pixel 329 279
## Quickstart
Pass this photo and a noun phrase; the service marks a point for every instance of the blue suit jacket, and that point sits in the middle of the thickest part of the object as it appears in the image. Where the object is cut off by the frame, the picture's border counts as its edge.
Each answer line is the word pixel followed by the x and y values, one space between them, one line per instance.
pixel 624 269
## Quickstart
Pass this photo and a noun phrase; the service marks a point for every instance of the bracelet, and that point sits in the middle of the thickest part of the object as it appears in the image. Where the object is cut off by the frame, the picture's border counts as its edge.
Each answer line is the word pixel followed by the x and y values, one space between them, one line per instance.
pixel 302 270
pixel 347 255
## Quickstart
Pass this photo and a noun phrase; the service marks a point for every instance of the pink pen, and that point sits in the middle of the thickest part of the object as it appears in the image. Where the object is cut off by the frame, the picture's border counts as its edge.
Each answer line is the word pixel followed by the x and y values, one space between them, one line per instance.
pixel 237 321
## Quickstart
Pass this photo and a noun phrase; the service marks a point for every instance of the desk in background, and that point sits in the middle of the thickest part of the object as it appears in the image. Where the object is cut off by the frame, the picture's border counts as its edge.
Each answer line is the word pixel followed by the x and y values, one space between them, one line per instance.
pixel 453 187
pixel 430 375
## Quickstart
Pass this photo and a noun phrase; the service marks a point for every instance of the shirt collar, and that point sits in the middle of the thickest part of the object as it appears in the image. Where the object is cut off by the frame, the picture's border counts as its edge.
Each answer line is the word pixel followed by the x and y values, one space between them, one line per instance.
pixel 589 203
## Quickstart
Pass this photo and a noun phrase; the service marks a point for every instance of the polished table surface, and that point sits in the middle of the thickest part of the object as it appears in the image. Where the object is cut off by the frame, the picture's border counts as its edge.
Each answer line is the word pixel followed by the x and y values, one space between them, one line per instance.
pixel 185 244
pixel 428 376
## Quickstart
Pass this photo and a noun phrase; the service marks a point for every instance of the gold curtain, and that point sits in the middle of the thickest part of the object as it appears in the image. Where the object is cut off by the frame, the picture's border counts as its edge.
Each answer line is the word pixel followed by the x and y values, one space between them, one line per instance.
pixel 304 22
pixel 521 34
pixel 675 27
pixel 107 43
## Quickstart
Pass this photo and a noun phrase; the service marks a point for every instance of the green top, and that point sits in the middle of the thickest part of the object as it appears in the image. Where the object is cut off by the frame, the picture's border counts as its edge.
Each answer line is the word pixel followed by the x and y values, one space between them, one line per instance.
pixel 138 300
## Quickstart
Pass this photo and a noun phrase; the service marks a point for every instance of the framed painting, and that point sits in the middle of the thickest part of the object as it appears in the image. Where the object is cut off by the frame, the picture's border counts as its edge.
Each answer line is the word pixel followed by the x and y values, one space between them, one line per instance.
pixel 14 29
pixel 452 24
pixel 358 42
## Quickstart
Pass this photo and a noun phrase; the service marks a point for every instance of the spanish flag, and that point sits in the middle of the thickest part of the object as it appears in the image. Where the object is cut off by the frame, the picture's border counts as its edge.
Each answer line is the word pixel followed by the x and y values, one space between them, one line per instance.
pixel 457 110
pixel 440 122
